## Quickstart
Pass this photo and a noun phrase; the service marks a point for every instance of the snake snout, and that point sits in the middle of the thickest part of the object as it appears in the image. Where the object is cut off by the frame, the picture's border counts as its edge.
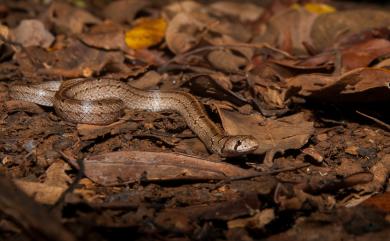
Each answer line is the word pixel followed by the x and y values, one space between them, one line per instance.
pixel 239 145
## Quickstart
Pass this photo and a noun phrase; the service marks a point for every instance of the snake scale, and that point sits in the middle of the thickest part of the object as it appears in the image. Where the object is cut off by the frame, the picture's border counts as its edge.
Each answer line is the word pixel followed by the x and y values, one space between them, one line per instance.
pixel 101 101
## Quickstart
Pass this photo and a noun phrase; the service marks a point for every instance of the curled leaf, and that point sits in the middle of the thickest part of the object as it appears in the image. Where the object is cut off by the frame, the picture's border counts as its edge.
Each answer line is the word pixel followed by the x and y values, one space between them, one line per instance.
pixel 147 32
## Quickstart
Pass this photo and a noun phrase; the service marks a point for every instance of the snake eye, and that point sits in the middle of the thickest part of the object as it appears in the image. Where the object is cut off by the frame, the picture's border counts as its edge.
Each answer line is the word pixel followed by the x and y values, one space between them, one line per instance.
pixel 239 145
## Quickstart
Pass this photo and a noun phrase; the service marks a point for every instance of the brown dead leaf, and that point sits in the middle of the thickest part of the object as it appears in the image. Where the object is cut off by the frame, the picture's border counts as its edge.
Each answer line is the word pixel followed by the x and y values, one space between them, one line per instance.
pixel 362 54
pixel 215 86
pixel 131 166
pixel 192 146
pixel 236 207
pixel 67 18
pixel 380 201
pixel 358 224
pixel 56 174
pixel 226 61
pixel 124 10
pixel 328 29
pixel 290 132
pixel 148 80
pixel 356 55
pixel 89 132
pixel 33 33
pixel 20 105
pixel 76 60
pixel 288 30
pixel 380 172
pixel 244 11
pixel 182 6
pixel 359 85
pixel 106 35
pixel 4 32
pixel 41 192
pixel 294 198
pixel 45 153
pixel 183 33
pixel 186 30
pixel 258 221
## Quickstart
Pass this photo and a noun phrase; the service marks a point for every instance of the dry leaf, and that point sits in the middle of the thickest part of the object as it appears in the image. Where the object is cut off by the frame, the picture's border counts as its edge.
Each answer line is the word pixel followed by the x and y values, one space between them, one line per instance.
pixel 258 221
pixel 124 10
pixel 328 29
pixel 145 33
pixel 226 61
pixel 288 30
pixel 41 192
pixel 107 35
pixel 56 174
pixel 131 166
pixel 76 60
pixel 244 11
pixel 20 105
pixel 319 8
pixel 68 18
pixel 216 86
pixel 183 33
pixel 89 132
pixel 33 33
pixel 354 86
pixel 148 80
pixel 290 132
pixel 183 6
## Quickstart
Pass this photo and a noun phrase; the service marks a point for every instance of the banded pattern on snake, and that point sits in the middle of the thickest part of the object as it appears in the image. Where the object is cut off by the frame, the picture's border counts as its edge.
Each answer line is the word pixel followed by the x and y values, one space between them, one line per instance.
pixel 102 101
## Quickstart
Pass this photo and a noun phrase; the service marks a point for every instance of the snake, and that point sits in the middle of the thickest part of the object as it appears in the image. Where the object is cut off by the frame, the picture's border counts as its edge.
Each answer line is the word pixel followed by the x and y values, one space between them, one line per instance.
pixel 101 101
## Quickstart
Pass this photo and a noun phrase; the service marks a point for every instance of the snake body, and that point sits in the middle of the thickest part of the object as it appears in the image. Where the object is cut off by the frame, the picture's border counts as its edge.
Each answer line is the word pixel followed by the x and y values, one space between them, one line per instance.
pixel 102 101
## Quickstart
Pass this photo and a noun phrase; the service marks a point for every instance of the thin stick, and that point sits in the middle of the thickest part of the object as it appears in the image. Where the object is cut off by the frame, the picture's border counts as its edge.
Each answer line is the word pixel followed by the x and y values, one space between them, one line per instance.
pixel 220 47
pixel 73 185
pixel 374 119
pixel 263 173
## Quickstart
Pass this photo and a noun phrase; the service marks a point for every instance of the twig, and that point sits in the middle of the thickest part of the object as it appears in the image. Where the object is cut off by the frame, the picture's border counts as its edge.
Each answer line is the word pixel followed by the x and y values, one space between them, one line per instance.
pixel 263 173
pixel 374 119
pixel 224 46
pixel 73 185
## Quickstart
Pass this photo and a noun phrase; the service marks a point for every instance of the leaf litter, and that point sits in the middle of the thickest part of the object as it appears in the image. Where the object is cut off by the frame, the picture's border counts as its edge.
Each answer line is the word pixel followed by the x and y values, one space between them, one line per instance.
pixel 309 81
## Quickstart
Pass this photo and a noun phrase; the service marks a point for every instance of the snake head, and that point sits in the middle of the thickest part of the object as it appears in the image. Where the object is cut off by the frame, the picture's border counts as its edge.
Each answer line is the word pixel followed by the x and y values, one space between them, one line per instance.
pixel 238 145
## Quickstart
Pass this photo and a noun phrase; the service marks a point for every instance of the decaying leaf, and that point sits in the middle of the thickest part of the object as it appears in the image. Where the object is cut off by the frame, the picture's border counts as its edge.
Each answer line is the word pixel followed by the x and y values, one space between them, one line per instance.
pixel 183 33
pixel 106 35
pixel 354 86
pixel 33 33
pixel 133 166
pixel 290 132
pixel 68 18
pixel 89 132
pixel 329 28
pixel 245 12
pixel 19 105
pixel 258 221
pixel 76 60
pixel 288 30
pixel 42 193
pixel 124 10
pixel 226 61
pixel 56 176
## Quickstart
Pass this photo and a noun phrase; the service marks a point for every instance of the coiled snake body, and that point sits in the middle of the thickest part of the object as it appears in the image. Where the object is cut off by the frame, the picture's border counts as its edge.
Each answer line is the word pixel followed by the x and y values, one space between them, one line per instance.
pixel 101 101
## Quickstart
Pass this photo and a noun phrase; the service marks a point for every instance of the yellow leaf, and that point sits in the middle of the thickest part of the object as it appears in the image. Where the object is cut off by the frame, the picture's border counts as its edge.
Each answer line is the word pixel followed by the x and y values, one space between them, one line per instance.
pixel 145 33
pixel 318 8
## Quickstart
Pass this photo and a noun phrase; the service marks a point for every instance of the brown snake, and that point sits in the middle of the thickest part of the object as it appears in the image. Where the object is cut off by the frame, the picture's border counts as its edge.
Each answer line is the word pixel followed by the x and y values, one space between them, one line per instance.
pixel 102 101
